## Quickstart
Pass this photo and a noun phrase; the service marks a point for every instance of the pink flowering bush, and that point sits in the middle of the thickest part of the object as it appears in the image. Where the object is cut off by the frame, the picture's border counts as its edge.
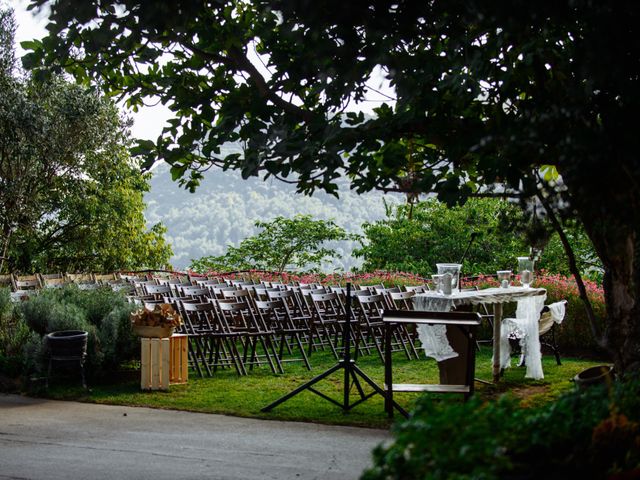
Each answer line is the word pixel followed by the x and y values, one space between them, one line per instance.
pixel 574 332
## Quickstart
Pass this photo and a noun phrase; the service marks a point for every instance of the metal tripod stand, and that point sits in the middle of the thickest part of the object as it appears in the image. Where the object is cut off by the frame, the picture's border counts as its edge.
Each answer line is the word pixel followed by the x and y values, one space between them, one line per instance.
pixel 351 374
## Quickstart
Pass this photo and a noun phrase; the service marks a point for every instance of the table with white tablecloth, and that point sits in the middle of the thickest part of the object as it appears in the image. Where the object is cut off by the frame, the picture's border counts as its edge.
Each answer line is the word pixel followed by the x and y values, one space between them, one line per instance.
pixel 433 338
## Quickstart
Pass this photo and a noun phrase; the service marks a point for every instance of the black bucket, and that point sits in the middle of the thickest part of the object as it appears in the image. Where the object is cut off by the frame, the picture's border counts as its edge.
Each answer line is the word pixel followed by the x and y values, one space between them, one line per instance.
pixel 67 344
pixel 594 376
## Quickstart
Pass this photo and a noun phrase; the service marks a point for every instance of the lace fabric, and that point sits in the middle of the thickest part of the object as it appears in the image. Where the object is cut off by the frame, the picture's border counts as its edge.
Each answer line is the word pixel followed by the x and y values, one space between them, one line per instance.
pixel 525 328
pixel 435 343
pixel 433 337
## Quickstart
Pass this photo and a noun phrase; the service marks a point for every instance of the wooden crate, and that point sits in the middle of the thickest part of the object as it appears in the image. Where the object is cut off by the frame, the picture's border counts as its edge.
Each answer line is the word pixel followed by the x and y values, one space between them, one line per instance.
pixel 163 362
pixel 179 360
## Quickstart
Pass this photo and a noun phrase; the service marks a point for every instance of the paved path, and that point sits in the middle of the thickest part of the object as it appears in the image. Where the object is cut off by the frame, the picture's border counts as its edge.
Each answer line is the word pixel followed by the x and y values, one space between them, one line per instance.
pixel 44 439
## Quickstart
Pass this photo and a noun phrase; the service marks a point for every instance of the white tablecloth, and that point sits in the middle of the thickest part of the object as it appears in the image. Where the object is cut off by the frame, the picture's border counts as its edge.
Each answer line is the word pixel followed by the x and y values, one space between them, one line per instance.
pixel 433 337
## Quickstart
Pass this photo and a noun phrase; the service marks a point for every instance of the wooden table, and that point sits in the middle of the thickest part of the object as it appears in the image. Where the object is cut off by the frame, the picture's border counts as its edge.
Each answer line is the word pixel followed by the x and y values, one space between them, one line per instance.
pixel 438 302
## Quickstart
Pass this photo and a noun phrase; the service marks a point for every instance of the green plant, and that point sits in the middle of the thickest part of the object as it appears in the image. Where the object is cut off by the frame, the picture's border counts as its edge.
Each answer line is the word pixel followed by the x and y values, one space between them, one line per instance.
pixel 283 243
pixel 413 238
pixel 71 199
pixel 584 434
pixel 101 312
pixel 14 335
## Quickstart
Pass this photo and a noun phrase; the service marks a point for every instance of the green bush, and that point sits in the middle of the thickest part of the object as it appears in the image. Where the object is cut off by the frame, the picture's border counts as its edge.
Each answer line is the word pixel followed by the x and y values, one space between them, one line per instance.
pixel 415 238
pixel 101 312
pixel 584 434
pixel 14 334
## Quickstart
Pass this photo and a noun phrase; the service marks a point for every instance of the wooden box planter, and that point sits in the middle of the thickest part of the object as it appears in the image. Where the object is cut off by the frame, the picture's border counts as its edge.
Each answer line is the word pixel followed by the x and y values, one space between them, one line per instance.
pixel 164 362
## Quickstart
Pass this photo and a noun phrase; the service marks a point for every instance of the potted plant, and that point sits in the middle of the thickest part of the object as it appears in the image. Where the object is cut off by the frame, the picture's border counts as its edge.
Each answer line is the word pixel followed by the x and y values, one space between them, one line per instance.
pixel 160 322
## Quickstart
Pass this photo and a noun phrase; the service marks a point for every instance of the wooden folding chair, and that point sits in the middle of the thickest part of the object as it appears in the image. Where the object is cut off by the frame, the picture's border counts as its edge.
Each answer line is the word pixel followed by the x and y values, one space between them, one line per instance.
pixel 276 317
pixel 211 342
pixel 241 319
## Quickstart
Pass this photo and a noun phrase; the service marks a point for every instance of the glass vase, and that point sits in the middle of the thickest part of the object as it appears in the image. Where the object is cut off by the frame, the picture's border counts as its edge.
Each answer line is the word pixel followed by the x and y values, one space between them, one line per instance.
pixel 454 270
pixel 525 270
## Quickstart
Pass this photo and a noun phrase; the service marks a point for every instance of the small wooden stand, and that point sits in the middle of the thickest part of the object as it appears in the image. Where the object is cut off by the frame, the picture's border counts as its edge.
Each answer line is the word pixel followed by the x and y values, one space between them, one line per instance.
pixel 456 375
pixel 164 362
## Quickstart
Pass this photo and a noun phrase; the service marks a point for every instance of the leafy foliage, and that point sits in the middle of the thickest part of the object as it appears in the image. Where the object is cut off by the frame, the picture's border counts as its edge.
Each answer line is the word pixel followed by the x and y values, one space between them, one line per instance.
pixel 414 238
pixel 554 259
pixel 573 436
pixel 102 312
pixel 283 243
pixel 71 198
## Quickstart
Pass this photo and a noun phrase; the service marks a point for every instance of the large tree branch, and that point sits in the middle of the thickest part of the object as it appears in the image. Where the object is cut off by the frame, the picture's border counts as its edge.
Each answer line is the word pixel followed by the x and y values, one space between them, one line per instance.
pixel 237 61
pixel 573 267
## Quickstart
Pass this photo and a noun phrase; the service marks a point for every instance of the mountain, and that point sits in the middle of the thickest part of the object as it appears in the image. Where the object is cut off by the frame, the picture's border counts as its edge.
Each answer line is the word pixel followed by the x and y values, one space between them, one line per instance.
pixel 224 208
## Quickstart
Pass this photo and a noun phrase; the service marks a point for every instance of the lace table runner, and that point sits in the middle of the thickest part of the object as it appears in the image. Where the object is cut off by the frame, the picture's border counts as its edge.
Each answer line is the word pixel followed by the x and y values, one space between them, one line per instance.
pixel 434 337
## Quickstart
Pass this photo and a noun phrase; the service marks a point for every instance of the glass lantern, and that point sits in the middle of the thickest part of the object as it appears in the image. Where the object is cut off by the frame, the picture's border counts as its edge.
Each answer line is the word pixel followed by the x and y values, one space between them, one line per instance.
pixel 454 270
pixel 525 270
pixel 504 278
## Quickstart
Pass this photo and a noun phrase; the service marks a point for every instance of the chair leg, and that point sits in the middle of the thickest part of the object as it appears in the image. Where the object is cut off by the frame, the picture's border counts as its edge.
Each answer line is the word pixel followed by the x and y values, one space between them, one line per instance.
pixel 557 354
pixel 82 375
pixel 555 346
pixel 48 375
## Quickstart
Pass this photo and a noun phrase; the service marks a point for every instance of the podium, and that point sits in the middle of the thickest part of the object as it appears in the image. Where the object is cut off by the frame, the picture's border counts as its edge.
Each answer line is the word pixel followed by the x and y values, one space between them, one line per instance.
pixel 456 375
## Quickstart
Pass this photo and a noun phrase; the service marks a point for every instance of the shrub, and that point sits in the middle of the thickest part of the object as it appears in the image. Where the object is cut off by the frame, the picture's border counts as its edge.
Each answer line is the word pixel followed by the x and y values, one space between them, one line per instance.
pixel 584 434
pixel 101 312
pixel 116 337
pixel 416 237
pixel 14 334
pixel 33 355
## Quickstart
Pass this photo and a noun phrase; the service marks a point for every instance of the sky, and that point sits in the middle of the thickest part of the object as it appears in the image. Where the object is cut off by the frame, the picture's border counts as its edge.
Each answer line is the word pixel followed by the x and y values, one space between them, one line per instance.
pixel 147 122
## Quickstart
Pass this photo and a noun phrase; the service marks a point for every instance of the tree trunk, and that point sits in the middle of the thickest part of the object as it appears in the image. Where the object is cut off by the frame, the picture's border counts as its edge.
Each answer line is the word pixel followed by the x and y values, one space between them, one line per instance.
pixel 622 295
pixel 4 250
pixel 606 197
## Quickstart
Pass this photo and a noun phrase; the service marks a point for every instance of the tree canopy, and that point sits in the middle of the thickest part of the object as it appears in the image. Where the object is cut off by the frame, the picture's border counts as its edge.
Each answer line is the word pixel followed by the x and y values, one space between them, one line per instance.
pixel 297 243
pixel 71 197
pixel 533 101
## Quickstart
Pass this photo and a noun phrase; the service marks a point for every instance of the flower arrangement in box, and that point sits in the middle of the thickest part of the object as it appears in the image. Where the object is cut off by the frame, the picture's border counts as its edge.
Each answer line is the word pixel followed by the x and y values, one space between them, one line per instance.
pixel 157 323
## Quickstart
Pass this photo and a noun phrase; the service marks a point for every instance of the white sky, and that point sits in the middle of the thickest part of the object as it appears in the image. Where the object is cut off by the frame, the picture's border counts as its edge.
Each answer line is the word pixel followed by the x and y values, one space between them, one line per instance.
pixel 148 121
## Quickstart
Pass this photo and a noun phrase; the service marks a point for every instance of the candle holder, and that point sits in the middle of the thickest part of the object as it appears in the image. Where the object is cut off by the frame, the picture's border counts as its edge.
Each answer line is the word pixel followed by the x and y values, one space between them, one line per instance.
pixel 525 270
pixel 454 270
pixel 504 278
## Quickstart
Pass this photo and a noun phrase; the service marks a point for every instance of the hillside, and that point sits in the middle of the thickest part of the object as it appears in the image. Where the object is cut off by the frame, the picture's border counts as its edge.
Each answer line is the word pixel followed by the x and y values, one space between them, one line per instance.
pixel 225 207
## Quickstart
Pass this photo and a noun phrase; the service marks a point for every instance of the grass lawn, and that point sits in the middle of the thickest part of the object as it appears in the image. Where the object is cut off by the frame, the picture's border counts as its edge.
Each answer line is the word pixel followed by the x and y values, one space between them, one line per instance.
pixel 226 393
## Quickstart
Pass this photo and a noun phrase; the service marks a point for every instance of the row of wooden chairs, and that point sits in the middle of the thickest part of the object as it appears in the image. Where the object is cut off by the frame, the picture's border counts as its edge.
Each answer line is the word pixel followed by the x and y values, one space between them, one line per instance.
pixel 278 317
pixel 24 286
